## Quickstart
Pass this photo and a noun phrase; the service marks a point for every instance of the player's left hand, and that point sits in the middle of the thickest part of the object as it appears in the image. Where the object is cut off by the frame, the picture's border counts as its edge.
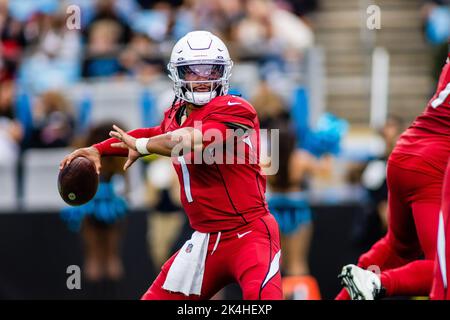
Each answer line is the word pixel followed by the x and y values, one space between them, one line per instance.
pixel 127 142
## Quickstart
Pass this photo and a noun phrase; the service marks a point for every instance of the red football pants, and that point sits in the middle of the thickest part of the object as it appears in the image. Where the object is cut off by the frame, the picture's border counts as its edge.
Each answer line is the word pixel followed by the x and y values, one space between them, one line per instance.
pixel 442 263
pixel 248 255
pixel 413 204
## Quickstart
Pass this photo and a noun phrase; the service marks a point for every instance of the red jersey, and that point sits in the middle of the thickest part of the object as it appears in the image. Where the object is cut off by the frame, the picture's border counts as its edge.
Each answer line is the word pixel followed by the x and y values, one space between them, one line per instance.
pixel 221 196
pixel 216 196
pixel 429 135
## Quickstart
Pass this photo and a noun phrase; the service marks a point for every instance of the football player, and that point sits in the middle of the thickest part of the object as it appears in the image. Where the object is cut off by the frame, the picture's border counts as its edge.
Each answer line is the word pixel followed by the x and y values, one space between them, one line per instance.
pixel 415 175
pixel 236 238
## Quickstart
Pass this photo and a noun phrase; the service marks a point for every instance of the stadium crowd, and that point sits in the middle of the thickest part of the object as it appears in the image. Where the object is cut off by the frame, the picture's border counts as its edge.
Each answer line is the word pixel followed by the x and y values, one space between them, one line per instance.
pixel 40 55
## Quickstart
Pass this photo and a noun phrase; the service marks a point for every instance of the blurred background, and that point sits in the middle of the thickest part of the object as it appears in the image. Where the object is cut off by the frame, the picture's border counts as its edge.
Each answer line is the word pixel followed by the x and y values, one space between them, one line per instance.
pixel 341 86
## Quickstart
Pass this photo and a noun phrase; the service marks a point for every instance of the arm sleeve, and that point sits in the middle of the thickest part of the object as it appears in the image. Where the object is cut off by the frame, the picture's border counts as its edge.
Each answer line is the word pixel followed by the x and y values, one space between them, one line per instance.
pixel 105 149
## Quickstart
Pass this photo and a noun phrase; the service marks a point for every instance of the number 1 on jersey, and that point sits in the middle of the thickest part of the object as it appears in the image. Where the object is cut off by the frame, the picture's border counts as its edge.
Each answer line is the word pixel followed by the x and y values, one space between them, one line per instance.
pixel 186 179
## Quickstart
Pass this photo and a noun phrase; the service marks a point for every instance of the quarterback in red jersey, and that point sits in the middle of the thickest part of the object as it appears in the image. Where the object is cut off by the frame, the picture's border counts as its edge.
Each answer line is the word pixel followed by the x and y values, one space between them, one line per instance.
pixel 415 177
pixel 213 139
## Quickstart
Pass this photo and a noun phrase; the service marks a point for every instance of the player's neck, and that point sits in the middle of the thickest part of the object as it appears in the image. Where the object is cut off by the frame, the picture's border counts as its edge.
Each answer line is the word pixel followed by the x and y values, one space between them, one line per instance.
pixel 189 108
pixel 184 113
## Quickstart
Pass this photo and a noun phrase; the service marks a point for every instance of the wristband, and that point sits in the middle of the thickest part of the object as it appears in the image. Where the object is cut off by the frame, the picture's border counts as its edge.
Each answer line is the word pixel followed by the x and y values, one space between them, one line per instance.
pixel 141 145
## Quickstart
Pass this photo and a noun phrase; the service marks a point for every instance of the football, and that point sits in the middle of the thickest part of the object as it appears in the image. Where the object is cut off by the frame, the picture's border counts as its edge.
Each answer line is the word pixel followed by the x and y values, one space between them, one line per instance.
pixel 78 181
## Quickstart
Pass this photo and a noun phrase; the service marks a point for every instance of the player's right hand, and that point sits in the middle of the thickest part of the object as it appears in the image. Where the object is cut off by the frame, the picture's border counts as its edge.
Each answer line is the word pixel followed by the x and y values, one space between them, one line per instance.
pixel 90 153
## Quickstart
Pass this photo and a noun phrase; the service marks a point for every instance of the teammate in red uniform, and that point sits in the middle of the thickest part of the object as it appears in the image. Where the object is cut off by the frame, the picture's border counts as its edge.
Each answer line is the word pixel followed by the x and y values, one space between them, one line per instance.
pixel 415 176
pixel 442 263
pixel 236 238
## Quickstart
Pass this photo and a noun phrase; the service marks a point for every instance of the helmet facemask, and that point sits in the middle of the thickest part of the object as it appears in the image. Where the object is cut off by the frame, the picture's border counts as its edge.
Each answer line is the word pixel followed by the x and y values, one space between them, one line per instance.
pixel 209 77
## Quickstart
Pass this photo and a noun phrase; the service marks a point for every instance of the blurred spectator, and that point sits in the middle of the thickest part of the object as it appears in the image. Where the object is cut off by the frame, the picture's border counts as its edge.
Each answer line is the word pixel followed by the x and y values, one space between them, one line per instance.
pixel 267 103
pixel 232 11
pixel 374 175
pixel 155 22
pixel 55 40
pixel 165 222
pixel 215 16
pixel 106 12
pixel 272 30
pixel 373 222
pixel 52 60
pixel 147 4
pixel 273 37
pixel 142 58
pixel 206 15
pixel 105 36
pixel 12 41
pixel 11 131
pixel 288 201
pixel 436 14
pixel 101 220
pixel 436 19
pixel 300 8
pixel 183 19
pixel 23 10
pixel 103 47
pixel 53 122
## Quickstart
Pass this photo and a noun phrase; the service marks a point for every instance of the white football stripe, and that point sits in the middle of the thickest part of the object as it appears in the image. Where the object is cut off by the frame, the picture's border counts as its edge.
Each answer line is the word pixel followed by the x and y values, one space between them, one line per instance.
pixel 274 267
pixel 441 249
pixel 186 181
pixel 441 97
pixel 217 242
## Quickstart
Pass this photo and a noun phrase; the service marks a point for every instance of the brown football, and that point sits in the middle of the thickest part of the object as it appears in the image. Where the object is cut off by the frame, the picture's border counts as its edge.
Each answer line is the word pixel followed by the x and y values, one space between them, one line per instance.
pixel 78 182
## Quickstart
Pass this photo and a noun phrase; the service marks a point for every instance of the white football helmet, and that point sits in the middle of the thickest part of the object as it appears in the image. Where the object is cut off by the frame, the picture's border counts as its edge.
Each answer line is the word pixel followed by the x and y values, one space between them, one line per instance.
pixel 200 59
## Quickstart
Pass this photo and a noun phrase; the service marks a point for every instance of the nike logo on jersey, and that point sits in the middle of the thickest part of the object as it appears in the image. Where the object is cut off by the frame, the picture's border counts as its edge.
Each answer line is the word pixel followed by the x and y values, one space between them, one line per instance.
pixel 239 235
pixel 233 103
